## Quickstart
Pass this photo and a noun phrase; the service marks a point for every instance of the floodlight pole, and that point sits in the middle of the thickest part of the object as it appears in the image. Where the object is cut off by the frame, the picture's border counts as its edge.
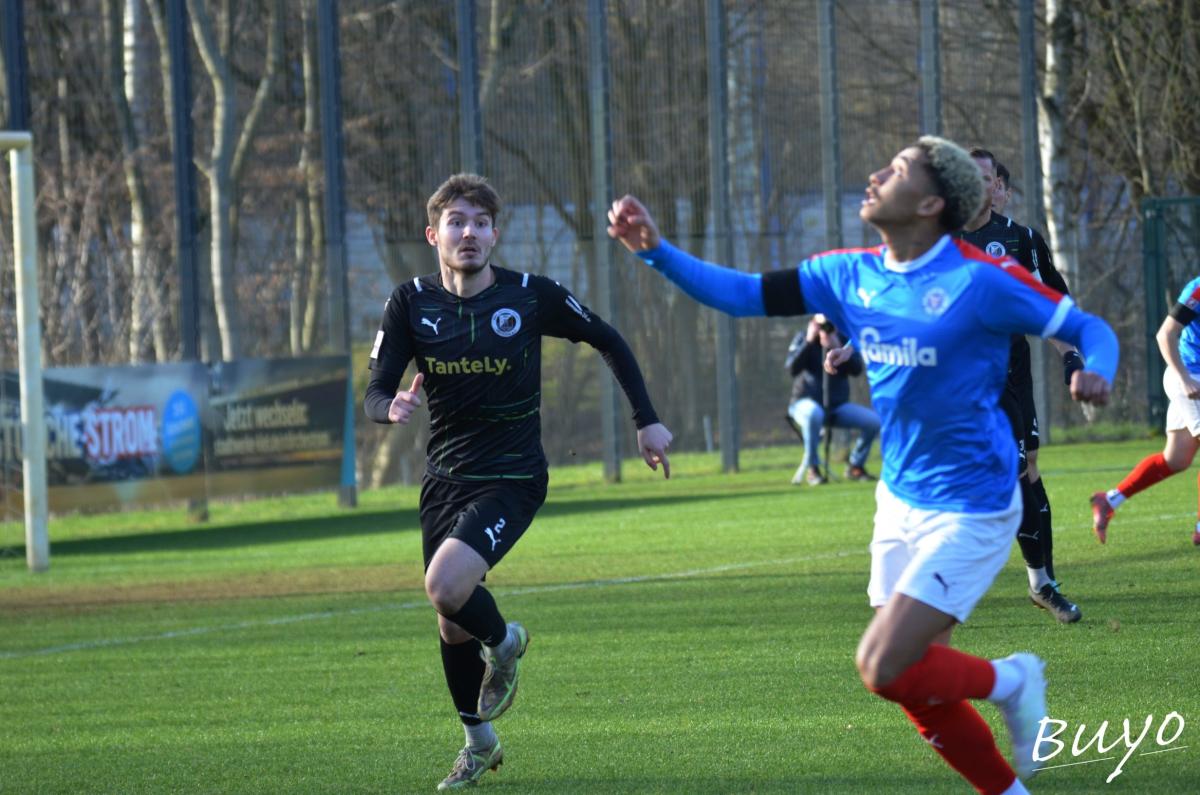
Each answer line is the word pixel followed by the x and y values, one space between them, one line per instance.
pixel 29 345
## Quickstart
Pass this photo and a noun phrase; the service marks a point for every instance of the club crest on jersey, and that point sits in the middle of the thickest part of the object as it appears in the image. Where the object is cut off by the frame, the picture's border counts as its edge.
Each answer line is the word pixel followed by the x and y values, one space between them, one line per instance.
pixel 906 354
pixel 936 301
pixel 996 249
pixel 506 322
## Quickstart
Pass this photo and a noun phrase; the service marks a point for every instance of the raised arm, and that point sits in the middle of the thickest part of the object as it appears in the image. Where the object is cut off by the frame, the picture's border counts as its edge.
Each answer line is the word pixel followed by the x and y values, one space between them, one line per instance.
pixel 731 291
pixel 1030 307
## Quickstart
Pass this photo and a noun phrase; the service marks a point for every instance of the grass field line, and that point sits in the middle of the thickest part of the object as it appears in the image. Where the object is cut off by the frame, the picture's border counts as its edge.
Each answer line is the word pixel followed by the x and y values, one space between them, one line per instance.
pixel 101 643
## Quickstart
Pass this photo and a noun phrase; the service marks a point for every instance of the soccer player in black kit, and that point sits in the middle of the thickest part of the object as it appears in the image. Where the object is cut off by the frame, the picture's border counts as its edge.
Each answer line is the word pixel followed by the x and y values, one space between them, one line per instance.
pixel 475 332
pixel 1000 236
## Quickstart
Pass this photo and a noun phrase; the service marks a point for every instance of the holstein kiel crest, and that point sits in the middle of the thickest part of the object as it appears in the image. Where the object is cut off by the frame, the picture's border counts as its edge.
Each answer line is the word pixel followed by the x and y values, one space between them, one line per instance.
pixel 996 248
pixel 936 301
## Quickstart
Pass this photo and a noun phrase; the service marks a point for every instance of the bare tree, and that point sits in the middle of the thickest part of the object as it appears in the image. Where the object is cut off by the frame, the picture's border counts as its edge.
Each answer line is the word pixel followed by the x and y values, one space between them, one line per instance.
pixel 227 159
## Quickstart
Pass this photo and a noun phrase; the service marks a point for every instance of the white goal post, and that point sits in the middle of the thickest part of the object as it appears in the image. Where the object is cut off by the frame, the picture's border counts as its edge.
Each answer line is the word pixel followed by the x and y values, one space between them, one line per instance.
pixel 19 146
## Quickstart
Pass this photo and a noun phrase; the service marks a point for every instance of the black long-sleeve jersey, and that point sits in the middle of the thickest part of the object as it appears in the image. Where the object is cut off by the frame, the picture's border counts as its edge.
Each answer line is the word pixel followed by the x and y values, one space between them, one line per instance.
pixel 481 357
pixel 1003 237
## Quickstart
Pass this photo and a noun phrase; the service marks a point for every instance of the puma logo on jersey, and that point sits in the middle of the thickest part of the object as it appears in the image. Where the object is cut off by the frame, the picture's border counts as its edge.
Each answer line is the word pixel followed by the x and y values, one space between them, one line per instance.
pixel 908 353
pixel 866 296
pixel 493 532
pixel 433 324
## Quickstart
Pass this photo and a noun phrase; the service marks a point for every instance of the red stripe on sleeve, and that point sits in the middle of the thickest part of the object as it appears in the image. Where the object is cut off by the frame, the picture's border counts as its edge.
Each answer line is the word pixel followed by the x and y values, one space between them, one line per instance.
pixel 1012 268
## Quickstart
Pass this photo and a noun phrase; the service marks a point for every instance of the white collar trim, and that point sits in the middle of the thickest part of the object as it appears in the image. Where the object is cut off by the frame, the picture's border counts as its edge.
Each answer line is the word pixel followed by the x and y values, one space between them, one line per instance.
pixel 892 264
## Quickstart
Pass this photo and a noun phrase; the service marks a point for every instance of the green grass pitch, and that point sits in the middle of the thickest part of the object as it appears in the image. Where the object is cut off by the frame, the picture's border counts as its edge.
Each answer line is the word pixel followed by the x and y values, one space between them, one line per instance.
pixel 689 636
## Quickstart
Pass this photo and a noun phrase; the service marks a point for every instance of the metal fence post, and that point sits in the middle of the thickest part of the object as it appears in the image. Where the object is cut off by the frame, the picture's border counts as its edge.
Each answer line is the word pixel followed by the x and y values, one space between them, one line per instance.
pixel 605 298
pixel 185 178
pixel 16 64
pixel 335 225
pixel 178 43
pixel 930 64
pixel 1153 277
pixel 722 226
pixel 470 128
pixel 831 150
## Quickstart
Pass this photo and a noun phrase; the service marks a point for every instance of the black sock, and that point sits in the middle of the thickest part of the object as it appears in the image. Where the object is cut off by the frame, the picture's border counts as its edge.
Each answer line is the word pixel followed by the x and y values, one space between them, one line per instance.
pixel 1039 491
pixel 481 618
pixel 464 674
pixel 1030 531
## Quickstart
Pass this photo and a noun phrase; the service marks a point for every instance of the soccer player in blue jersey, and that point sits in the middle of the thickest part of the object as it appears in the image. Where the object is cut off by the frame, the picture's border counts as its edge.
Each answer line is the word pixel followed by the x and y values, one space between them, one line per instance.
pixel 932 318
pixel 1179 342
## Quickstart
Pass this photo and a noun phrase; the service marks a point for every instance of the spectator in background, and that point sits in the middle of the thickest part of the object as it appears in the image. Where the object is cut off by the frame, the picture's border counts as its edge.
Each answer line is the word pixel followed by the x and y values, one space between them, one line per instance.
pixel 808 406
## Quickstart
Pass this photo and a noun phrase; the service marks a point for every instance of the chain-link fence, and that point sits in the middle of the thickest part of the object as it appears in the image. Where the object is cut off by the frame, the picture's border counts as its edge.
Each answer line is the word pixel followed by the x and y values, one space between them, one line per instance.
pixel 99 76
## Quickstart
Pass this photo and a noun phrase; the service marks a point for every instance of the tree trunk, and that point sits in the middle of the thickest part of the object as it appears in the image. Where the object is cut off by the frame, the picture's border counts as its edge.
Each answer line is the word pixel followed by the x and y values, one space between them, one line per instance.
pixel 229 150
pixel 117 38
pixel 1059 200
pixel 310 172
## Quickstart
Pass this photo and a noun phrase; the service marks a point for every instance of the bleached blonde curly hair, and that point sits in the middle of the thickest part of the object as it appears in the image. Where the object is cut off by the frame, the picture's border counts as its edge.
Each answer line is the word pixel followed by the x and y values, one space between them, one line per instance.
pixel 956 179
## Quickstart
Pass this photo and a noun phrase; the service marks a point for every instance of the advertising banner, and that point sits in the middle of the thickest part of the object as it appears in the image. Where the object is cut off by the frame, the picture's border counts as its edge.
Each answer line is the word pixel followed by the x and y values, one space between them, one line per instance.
pixel 137 435
pixel 276 425
pixel 115 436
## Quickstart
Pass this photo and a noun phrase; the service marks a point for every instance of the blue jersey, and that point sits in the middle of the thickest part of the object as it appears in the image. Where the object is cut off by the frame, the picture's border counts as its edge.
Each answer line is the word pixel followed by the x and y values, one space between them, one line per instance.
pixel 935 337
pixel 1187 312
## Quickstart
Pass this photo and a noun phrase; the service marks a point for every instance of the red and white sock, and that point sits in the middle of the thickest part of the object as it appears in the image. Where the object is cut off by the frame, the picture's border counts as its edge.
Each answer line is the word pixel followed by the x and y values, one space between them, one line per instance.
pixel 1150 470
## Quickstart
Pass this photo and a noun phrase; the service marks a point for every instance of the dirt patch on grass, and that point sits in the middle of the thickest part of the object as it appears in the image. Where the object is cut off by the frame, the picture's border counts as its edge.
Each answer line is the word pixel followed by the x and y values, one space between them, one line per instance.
pixel 299 582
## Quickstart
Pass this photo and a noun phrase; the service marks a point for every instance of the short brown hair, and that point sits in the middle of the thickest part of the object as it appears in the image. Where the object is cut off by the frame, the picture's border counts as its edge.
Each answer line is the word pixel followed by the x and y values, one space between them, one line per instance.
pixel 1002 174
pixel 472 187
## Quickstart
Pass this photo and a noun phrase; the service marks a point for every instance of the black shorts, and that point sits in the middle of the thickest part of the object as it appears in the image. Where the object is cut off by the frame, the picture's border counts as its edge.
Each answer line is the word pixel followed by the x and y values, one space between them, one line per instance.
pixel 1022 388
pixel 488 516
pixel 1010 403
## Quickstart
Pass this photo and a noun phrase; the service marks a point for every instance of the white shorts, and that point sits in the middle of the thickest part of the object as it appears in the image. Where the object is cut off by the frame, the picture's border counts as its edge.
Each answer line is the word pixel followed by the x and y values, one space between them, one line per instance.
pixel 944 559
pixel 1183 413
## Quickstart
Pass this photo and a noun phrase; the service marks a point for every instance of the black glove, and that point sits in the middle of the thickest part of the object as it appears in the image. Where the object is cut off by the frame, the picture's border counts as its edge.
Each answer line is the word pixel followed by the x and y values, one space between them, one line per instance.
pixel 1072 361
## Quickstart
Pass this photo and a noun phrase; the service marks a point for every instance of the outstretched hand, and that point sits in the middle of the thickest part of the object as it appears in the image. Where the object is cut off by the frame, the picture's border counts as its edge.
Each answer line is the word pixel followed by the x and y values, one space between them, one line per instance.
pixel 630 222
pixel 405 403
pixel 1087 387
pixel 653 441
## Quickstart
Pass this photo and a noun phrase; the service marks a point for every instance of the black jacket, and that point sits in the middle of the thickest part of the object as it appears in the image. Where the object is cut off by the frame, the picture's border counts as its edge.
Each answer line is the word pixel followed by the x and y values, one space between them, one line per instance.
pixel 805 362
